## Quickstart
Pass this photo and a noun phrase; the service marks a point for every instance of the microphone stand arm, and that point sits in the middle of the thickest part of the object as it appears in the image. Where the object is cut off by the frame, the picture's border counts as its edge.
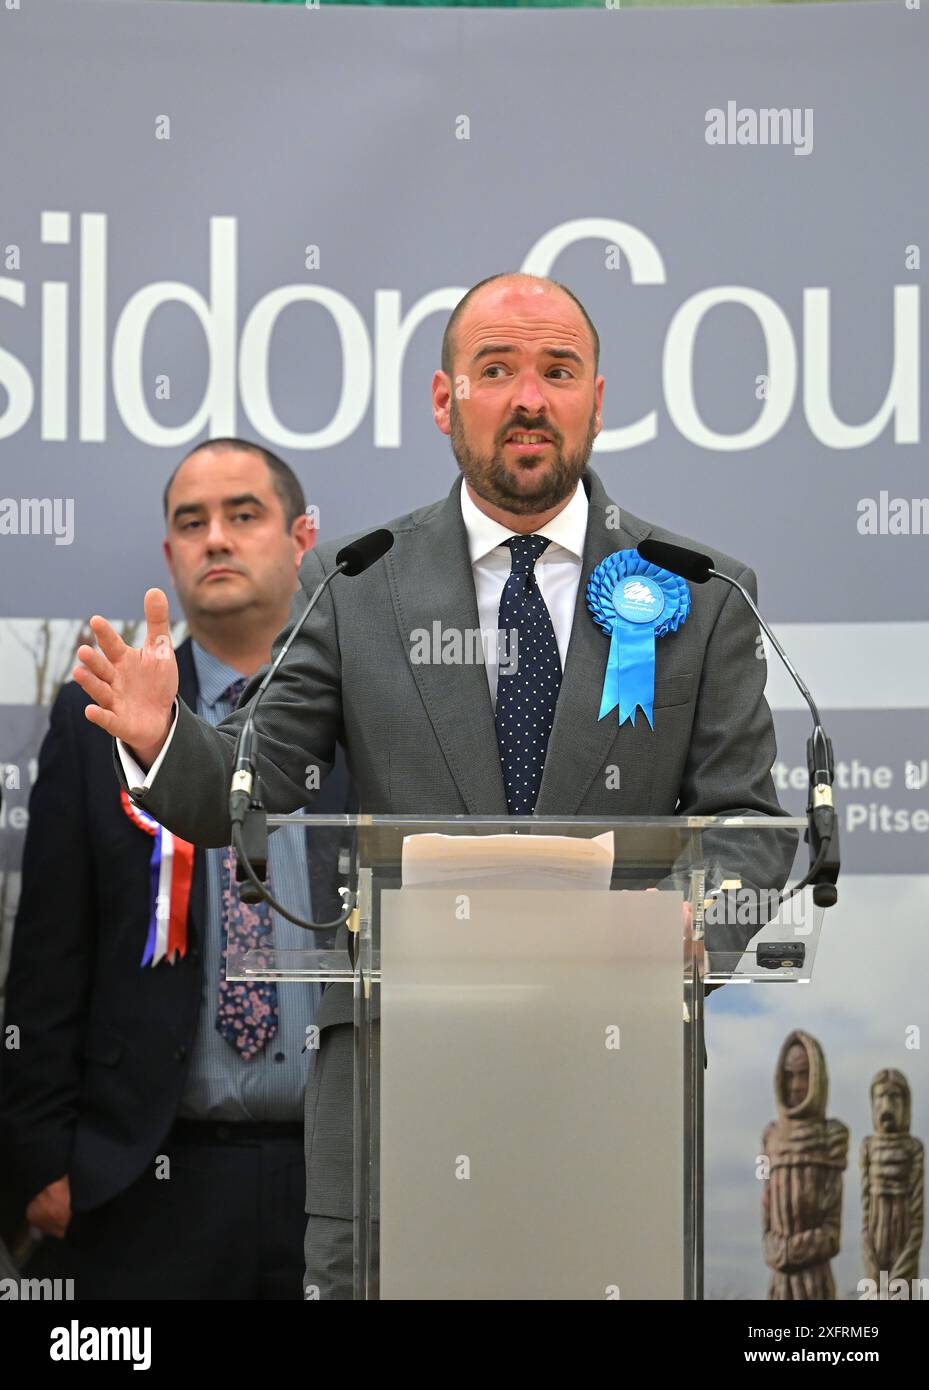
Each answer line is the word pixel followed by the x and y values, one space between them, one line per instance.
pixel 823 830
pixel 248 817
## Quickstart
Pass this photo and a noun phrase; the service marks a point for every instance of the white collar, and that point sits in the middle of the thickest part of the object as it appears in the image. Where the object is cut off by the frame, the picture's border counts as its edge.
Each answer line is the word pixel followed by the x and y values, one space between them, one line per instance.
pixel 567 529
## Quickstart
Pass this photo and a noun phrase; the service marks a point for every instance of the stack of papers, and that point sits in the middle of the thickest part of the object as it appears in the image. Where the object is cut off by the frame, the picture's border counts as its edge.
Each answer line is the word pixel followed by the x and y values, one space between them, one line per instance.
pixel 508 861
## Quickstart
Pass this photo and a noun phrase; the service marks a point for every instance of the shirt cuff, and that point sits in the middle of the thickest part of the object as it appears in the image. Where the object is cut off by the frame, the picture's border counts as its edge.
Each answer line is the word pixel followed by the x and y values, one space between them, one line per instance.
pixel 136 779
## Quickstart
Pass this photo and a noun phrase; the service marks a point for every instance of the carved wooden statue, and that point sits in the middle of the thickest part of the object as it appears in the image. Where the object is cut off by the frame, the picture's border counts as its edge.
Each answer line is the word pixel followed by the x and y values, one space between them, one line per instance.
pixel 891 1186
pixel 807 1154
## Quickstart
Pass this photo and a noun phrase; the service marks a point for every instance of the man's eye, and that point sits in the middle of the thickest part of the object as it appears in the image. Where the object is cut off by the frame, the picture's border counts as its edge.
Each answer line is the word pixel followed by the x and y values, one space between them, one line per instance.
pixel 244 516
pixel 562 369
pixel 496 368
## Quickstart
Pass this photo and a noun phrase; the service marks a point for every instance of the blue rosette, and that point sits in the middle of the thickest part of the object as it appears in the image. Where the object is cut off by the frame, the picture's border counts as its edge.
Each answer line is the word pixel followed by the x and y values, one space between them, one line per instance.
pixel 634 602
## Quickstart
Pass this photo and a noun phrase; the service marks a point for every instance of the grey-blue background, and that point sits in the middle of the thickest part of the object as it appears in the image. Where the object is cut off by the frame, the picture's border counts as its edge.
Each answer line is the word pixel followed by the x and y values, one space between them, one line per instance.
pixel 337 127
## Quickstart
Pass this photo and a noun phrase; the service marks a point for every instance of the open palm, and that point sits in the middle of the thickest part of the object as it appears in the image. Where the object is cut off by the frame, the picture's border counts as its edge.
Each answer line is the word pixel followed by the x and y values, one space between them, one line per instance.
pixel 133 689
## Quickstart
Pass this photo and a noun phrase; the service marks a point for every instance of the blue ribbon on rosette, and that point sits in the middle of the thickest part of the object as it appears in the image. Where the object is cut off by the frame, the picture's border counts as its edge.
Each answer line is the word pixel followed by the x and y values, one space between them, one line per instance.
pixel 634 602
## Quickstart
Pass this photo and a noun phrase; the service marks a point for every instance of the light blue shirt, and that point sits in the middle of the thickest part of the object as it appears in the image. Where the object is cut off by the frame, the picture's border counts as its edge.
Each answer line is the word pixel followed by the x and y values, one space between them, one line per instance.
pixel 220 1085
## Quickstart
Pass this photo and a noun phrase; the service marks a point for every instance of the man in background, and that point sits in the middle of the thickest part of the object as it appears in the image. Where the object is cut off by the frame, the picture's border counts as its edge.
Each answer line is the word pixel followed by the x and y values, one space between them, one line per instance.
pixel 153 1112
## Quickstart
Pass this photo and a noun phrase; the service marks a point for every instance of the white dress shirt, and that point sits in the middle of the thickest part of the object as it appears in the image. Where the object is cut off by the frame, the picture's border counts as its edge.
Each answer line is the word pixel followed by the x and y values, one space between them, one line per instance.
pixel 558 572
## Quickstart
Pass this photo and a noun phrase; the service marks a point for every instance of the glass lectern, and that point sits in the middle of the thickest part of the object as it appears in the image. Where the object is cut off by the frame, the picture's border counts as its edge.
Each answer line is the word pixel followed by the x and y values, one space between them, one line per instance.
pixel 528 1110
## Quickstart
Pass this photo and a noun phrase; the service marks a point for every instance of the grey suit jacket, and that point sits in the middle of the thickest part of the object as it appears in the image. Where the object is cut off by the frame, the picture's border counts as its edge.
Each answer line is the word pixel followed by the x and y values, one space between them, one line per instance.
pixel 420 739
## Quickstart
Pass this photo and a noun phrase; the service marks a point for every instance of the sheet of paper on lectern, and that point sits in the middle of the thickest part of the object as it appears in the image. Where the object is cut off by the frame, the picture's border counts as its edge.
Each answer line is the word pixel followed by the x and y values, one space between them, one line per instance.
pixel 508 861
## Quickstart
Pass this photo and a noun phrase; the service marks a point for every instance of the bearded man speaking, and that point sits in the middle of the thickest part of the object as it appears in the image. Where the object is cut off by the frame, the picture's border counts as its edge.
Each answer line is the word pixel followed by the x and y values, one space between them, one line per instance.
pixel 512 547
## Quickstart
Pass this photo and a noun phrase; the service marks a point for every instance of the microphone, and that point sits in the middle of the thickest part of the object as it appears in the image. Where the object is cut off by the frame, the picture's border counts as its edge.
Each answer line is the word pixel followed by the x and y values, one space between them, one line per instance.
pixel 823 830
pixel 689 564
pixel 358 555
pixel 249 822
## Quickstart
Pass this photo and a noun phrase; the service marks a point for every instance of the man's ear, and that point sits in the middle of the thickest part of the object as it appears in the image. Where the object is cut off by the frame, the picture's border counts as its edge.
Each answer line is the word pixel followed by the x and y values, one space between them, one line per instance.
pixel 304 532
pixel 442 402
pixel 166 551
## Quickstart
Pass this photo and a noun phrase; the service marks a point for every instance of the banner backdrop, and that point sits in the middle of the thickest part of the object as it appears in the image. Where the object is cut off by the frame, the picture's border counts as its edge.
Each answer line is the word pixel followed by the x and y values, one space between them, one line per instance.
pixel 231 220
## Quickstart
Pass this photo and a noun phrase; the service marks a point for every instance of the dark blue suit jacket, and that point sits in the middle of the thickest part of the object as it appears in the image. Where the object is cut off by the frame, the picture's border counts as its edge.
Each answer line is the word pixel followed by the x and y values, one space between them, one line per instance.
pixel 94 1086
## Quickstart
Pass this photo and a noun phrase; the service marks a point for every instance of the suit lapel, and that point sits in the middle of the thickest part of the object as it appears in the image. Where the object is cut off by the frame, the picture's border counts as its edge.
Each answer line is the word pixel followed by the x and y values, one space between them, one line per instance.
pixel 187 674
pixel 188 690
pixel 432 583
pixel 580 743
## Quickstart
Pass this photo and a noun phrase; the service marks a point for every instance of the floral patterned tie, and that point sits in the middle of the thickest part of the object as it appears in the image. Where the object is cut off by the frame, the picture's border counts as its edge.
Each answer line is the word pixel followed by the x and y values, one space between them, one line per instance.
pixel 246 1014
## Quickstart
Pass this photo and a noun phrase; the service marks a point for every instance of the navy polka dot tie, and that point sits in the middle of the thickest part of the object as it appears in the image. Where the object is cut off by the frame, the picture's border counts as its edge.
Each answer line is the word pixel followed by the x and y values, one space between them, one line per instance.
pixel 528 677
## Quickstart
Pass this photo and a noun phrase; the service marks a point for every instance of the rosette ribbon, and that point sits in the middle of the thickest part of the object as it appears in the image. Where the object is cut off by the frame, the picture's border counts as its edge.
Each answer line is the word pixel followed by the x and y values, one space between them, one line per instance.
pixel 634 602
pixel 171 869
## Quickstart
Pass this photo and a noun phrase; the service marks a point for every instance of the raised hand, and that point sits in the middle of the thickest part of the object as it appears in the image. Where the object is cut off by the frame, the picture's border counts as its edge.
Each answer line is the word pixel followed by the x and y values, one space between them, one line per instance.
pixel 133 688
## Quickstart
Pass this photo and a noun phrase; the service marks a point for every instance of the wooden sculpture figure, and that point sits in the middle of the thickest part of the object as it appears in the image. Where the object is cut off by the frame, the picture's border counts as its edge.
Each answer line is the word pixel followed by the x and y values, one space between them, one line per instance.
pixel 807 1154
pixel 891 1187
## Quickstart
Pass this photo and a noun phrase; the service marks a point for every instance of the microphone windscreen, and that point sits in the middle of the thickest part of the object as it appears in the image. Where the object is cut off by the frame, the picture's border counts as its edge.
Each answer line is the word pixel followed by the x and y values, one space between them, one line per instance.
pixel 689 564
pixel 358 555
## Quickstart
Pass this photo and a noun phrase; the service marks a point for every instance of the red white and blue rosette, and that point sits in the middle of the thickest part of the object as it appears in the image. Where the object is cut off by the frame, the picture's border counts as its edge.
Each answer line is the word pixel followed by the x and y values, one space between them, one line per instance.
pixel 171 869
pixel 634 602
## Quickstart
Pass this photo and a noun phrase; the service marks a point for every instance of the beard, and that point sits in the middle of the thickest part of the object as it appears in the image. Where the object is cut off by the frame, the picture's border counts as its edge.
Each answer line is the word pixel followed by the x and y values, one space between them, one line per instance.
pixel 498 482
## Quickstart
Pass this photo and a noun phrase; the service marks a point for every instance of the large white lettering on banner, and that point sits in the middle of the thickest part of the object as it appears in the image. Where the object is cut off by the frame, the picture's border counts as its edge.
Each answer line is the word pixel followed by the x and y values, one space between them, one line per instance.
pixel 239 393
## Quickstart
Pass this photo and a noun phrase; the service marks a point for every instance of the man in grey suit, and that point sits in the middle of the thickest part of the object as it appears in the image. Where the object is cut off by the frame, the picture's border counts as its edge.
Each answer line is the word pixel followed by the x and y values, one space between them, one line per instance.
pixel 512 545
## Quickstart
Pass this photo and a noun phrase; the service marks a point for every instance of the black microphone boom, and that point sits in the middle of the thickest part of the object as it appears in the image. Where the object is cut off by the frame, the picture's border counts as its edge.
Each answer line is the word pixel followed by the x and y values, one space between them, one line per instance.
pixel 689 564
pixel 823 832
pixel 358 555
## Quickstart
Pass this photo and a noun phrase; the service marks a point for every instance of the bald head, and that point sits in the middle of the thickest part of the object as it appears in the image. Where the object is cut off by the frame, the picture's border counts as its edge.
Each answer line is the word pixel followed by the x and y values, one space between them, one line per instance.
pixel 537 286
pixel 519 396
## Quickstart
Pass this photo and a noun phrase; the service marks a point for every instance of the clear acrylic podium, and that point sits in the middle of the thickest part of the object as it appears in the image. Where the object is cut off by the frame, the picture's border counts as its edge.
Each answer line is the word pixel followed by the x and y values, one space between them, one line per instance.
pixel 528 1039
